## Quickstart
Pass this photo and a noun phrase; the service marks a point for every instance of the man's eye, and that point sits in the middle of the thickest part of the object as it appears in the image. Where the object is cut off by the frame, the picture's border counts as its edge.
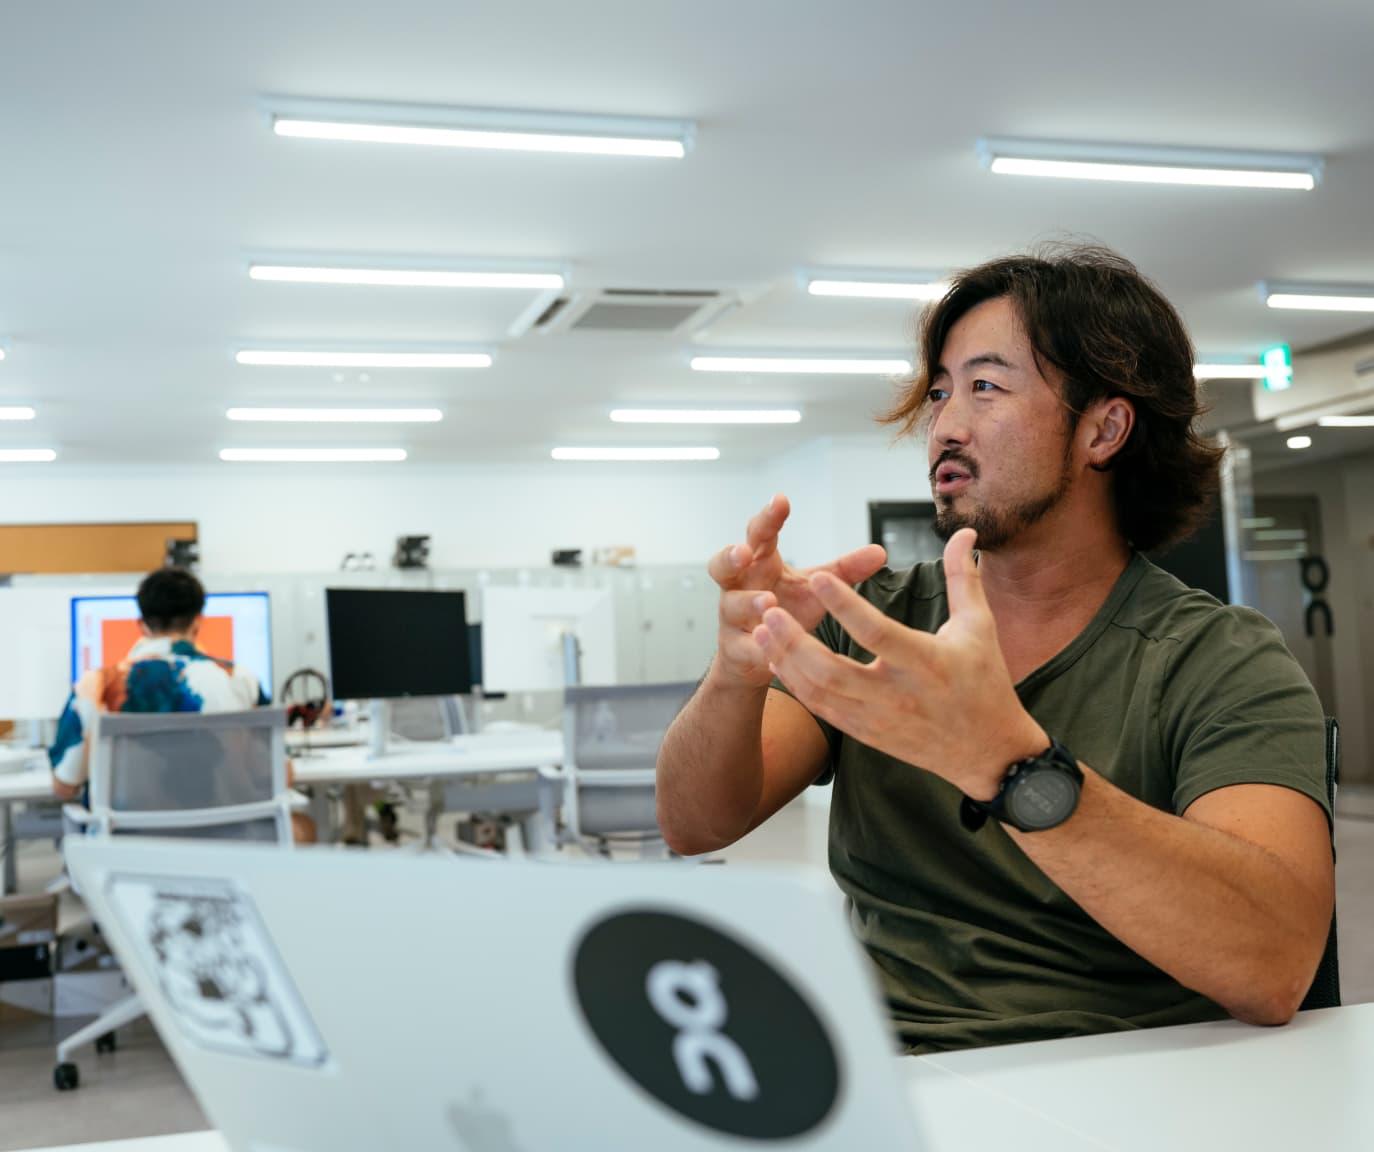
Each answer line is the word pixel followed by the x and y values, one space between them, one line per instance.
pixel 984 386
pixel 935 395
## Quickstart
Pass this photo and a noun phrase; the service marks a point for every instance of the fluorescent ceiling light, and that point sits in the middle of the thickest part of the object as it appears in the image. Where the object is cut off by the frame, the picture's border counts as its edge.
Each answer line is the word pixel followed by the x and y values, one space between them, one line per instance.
pixel 1318 297
pixel 1299 441
pixel 1271 534
pixel 337 415
pixel 405 277
pixel 873 284
pixel 17 413
pixel 483 128
pixel 1144 165
pixel 636 454
pixel 27 455
pixel 705 415
pixel 1346 422
pixel 286 358
pixel 313 455
pixel 809 365
pixel 1229 371
pixel 2 353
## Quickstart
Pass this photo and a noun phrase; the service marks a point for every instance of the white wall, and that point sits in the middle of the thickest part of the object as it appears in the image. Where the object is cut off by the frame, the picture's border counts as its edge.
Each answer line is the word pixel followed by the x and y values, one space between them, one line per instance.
pixel 284 520
pixel 294 520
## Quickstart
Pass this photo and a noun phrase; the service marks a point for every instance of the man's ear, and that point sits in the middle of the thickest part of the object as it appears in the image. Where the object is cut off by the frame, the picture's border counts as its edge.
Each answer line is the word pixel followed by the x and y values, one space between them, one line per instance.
pixel 1107 425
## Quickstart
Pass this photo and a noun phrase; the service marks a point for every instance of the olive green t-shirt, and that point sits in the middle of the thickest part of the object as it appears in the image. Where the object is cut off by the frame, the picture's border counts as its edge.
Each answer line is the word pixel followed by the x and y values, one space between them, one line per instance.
pixel 1168 694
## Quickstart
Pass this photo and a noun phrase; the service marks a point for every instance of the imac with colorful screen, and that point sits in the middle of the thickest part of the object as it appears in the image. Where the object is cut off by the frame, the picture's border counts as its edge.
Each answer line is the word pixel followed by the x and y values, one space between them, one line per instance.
pixel 235 626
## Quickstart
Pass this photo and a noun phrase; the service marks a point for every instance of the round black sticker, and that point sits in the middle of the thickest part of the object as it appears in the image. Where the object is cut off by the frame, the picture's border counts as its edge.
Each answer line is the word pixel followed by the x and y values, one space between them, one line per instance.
pixel 705 1026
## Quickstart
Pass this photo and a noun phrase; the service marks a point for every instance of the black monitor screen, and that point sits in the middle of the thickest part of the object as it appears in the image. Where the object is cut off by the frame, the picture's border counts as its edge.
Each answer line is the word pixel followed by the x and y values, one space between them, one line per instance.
pixel 389 643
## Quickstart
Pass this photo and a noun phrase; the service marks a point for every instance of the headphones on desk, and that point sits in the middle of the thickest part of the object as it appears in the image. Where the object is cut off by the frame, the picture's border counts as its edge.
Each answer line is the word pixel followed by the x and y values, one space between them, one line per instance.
pixel 311 705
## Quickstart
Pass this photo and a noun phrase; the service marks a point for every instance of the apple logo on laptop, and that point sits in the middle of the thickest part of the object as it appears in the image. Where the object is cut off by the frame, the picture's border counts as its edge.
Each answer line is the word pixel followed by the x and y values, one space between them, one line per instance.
pixel 707 1026
pixel 480 1128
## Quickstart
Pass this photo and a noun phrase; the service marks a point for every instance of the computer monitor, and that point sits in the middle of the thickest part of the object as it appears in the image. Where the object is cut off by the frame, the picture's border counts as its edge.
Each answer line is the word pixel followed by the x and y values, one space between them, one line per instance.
pixel 388 643
pixel 235 626
pixel 522 637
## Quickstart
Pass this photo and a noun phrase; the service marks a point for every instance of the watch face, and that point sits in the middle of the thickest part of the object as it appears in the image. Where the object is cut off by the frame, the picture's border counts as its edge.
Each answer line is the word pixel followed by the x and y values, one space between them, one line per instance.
pixel 1042 798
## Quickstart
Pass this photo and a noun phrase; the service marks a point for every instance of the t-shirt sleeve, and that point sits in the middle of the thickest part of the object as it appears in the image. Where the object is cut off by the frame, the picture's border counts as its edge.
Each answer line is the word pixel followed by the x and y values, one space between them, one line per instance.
pixel 1237 708
pixel 829 633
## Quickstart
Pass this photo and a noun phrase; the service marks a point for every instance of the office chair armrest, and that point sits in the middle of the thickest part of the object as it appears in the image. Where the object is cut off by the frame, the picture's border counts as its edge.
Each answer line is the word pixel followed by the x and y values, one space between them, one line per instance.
pixel 616 777
pixel 77 818
pixel 170 821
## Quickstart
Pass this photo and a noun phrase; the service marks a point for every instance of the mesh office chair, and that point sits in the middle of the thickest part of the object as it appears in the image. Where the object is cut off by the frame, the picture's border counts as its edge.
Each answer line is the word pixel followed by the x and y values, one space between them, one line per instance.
pixel 1326 985
pixel 197 775
pixel 611 737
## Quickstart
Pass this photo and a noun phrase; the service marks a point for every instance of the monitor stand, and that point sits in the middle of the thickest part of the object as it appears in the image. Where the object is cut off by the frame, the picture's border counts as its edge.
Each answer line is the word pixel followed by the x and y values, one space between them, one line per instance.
pixel 379 726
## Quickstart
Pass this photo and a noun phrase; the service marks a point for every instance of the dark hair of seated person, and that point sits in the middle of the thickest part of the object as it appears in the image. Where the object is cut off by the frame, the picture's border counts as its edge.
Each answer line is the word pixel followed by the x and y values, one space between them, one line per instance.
pixel 169 600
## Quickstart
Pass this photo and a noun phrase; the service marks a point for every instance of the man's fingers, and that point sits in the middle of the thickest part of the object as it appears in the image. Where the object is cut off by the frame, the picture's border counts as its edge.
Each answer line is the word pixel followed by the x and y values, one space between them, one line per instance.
pixel 963 581
pixel 745 609
pixel 858 565
pixel 817 676
pixel 866 625
pixel 727 566
pixel 763 529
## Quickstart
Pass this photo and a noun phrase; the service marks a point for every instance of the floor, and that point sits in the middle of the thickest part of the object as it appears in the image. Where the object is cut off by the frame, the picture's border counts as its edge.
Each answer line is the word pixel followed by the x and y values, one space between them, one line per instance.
pixel 136 1090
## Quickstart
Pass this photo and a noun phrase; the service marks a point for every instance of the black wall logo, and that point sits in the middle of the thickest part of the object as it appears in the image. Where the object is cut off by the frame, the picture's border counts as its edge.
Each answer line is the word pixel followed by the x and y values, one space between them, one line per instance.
pixel 705 1026
pixel 1315 577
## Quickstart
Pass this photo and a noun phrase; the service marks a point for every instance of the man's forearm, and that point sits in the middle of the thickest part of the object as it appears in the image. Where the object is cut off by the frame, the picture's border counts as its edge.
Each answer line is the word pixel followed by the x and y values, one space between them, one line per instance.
pixel 1223 916
pixel 710 768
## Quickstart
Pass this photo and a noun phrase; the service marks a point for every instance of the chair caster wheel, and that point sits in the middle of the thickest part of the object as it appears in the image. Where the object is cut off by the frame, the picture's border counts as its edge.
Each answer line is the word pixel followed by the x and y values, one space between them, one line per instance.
pixel 65 1077
pixel 105 1043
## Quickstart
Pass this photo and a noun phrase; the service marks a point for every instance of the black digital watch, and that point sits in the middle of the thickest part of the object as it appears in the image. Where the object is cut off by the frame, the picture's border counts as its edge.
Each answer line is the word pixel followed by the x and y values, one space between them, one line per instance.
pixel 1037 793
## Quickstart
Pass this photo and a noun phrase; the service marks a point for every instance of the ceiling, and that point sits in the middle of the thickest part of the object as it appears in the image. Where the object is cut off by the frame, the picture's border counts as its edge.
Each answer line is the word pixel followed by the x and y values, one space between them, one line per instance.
pixel 138 175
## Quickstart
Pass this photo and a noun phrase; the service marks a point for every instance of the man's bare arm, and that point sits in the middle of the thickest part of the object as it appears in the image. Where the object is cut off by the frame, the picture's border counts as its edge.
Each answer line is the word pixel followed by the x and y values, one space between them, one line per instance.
pixel 731 759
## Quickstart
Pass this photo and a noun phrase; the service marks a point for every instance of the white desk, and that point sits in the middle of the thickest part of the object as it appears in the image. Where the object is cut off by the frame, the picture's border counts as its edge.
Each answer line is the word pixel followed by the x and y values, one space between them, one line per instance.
pixel 19 787
pixel 469 758
pixel 1198 1088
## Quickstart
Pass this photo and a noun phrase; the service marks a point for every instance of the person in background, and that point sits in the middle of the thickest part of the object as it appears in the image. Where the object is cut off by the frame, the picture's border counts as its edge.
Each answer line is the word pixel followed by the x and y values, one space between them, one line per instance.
pixel 164 672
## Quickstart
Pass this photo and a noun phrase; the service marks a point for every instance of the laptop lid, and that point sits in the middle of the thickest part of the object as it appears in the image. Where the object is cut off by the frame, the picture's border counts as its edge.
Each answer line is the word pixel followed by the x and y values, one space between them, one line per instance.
pixel 321 1000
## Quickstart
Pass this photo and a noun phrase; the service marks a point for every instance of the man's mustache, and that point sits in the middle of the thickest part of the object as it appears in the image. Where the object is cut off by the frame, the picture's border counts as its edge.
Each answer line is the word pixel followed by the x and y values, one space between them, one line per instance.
pixel 954 456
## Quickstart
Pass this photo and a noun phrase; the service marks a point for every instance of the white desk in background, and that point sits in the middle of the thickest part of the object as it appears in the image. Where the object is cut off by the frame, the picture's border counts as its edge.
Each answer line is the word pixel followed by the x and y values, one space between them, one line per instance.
pixel 483 762
pixel 25 786
pixel 1196 1088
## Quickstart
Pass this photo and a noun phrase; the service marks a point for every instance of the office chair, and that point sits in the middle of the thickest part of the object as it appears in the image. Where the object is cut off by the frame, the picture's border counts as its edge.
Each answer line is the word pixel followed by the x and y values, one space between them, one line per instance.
pixel 194 775
pixel 1326 985
pixel 611 737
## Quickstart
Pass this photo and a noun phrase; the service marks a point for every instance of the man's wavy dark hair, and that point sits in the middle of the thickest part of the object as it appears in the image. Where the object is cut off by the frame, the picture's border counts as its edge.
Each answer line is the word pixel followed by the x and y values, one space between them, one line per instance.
pixel 169 600
pixel 1110 332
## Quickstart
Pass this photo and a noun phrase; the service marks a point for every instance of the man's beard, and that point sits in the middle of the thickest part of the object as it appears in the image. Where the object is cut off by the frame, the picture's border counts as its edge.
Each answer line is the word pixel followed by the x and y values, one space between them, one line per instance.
pixel 998 527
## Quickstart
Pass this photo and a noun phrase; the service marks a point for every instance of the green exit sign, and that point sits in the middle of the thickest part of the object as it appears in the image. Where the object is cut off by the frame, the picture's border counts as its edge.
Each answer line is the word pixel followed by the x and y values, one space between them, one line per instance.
pixel 1278 368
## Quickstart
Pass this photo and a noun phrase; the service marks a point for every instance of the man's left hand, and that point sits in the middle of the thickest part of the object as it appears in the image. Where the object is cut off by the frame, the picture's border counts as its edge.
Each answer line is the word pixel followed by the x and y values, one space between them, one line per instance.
pixel 944 702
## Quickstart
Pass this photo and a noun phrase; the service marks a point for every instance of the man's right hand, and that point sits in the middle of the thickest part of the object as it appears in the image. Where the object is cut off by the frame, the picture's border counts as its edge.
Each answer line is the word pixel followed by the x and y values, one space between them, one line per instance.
pixel 753 578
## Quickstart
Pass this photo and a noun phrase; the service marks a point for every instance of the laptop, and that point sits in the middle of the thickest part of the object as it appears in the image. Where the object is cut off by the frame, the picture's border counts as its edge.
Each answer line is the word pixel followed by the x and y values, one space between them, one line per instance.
pixel 316 999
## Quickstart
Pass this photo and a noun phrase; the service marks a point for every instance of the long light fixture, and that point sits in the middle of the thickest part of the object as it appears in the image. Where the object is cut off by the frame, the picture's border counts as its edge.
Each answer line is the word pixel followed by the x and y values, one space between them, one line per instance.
pixel 27 455
pixel 705 415
pixel 1229 371
pixel 1298 296
pixel 803 365
pixel 482 128
pixel 336 415
pixel 1299 442
pixel 291 358
pixel 312 455
pixel 1146 165
pixel 1346 422
pixel 20 413
pixel 406 277
pixel 626 455
pixel 873 284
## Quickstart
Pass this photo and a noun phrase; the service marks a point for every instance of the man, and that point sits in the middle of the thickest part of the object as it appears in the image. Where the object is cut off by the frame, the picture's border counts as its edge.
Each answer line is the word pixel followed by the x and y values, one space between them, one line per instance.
pixel 1168 858
pixel 164 672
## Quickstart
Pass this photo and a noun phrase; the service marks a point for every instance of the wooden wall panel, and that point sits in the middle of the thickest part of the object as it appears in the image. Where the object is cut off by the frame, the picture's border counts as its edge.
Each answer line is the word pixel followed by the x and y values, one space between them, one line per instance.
pixel 89 547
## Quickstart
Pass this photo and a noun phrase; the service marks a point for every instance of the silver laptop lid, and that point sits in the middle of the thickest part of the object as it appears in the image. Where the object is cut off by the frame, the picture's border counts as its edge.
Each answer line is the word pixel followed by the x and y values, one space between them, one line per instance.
pixel 324 1000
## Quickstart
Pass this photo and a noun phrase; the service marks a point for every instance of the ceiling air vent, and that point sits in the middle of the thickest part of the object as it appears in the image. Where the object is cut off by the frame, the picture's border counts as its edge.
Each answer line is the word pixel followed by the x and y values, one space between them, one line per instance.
pixel 639 311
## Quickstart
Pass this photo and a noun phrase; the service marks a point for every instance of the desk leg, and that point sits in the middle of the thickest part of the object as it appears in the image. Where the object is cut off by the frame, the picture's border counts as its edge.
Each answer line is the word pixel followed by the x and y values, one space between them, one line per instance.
pixel 10 881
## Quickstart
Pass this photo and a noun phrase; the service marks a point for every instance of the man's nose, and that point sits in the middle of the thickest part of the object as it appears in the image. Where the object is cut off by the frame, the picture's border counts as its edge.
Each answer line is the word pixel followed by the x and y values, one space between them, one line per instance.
pixel 951 426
